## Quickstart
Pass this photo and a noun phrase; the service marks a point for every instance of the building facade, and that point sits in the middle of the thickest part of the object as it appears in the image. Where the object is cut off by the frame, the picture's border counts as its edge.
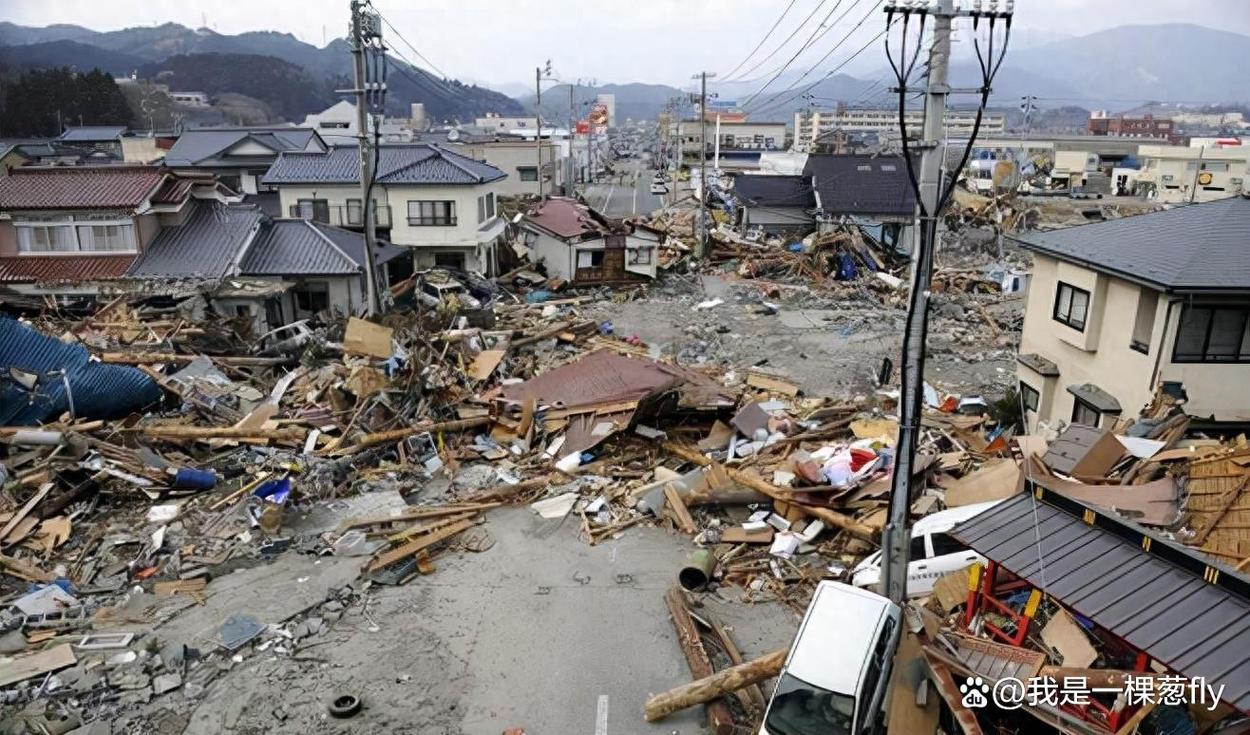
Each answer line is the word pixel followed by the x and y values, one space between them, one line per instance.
pixel 1179 174
pixel 808 126
pixel 1103 331
pixel 1147 126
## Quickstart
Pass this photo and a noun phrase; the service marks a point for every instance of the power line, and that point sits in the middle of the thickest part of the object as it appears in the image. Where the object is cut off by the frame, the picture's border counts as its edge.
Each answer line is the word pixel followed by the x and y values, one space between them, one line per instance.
pixel 789 38
pixel 829 53
pixel 400 36
pixel 762 40
pixel 768 107
pixel 810 40
pixel 421 80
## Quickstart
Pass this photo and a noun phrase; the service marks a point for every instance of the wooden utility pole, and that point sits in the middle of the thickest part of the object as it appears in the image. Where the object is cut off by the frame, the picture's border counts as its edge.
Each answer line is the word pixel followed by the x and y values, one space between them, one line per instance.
pixel 717 685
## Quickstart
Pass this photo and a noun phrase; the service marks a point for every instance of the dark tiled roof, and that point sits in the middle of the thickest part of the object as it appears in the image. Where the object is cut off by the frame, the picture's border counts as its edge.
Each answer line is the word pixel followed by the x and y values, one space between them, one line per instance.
pixel 86 187
pixel 203 247
pixel 63 268
pixel 764 190
pixel 1196 628
pixel 1195 247
pixel 93 133
pixel 205 146
pixel 862 184
pixel 422 163
pixel 300 247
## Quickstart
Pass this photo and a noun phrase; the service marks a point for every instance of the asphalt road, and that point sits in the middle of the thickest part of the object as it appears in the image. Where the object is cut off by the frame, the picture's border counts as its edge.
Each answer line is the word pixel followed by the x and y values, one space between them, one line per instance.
pixel 631 197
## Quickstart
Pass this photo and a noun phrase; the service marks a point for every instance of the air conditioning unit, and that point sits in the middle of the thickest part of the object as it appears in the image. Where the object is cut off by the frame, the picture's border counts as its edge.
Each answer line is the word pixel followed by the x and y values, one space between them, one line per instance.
pixel 1167 177
pixel 1234 181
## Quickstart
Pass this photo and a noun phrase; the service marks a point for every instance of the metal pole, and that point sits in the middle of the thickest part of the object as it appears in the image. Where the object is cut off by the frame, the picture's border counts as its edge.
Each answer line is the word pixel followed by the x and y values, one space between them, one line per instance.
pixel 538 124
pixel 570 187
pixel 895 541
pixel 372 306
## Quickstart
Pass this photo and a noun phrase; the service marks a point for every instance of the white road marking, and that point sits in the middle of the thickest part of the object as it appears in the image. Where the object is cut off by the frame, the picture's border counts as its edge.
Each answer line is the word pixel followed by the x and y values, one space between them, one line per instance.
pixel 608 198
pixel 601 716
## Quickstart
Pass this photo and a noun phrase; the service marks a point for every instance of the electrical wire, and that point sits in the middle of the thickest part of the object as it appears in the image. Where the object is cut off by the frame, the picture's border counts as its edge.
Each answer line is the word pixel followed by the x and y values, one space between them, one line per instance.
pixel 810 40
pixel 773 53
pixel 762 40
pixel 400 36
pixel 829 53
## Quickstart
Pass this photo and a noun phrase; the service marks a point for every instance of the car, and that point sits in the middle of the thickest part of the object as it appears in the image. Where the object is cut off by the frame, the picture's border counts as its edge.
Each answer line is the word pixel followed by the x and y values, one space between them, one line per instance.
pixel 436 288
pixel 933 552
pixel 658 188
pixel 289 339
pixel 835 676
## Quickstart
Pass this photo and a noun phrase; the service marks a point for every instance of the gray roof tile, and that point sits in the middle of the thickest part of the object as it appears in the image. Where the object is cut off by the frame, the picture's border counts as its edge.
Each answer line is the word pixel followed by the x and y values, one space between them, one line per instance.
pixel 423 163
pixel 202 247
pixel 773 190
pixel 1196 247
pixel 862 184
pixel 292 247
pixel 204 146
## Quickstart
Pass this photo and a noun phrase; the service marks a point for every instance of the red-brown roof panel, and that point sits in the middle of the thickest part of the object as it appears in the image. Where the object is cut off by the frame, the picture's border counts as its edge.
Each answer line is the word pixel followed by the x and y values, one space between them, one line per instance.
pixel 79 187
pixel 62 268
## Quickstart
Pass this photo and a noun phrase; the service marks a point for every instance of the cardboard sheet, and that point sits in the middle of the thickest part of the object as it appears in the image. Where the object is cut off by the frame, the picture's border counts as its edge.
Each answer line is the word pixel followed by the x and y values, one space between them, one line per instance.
pixel 995 480
pixel 1064 635
pixel 367 338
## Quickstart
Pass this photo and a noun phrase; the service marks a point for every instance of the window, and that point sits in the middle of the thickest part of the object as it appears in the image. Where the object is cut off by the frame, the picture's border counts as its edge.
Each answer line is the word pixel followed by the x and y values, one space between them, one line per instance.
pixel 76 235
pixel 1213 334
pixel 1071 306
pixel 490 205
pixel 317 210
pixel 431 214
pixel 481 209
pixel 640 256
pixel 1084 413
pixel 589 258
pixel 449 260
pixel 527 173
pixel 917 551
pixel 944 544
pixel 313 297
pixel 1029 397
pixel 105 238
pixel 1147 305
pixel 354 211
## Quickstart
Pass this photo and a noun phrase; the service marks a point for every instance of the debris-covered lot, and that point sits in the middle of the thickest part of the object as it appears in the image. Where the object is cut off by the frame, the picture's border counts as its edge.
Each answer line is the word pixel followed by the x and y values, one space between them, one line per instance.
pixel 544 511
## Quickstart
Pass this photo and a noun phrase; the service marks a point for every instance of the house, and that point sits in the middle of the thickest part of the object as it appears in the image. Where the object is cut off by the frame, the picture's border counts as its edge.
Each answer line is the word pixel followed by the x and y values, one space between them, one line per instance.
pixel 1180 174
pixel 513 155
pixel 239 157
pixel 75 230
pixel 42 151
pixel 12 156
pixel 102 141
pixel 580 245
pixel 337 125
pixel 437 203
pixel 190 99
pixel 1118 309
pixel 776 204
pixel 1147 126
pixel 874 192
pixel 244 263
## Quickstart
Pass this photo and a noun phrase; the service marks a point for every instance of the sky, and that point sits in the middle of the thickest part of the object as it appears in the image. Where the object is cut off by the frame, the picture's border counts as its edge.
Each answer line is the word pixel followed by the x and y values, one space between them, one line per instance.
pixel 500 42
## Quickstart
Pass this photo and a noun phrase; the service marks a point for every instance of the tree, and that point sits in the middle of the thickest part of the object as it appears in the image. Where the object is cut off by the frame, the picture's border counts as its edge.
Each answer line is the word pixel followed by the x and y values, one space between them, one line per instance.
pixel 41 102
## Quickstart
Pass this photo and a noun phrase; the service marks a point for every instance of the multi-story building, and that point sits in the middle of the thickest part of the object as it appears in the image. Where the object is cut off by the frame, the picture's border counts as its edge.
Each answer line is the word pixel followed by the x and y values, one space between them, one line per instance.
pixel 1147 126
pixel 1119 309
pixel 1178 174
pixel 749 136
pixel 439 204
pixel 808 126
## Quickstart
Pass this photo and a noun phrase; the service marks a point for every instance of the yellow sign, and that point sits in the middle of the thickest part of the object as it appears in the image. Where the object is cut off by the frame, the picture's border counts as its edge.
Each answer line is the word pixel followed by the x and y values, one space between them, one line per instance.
pixel 1204 178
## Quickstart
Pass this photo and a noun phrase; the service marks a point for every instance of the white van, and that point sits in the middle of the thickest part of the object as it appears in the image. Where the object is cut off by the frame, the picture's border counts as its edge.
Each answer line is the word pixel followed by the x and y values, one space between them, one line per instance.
pixel 933 552
pixel 836 674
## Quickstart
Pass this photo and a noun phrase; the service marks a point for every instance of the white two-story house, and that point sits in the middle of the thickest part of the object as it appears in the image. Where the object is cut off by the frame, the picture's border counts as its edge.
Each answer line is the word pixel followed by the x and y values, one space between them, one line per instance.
pixel 439 204
pixel 1118 309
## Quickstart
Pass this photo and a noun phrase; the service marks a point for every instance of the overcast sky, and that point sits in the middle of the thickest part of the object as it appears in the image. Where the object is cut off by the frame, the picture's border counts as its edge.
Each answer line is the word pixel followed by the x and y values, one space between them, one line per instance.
pixel 499 42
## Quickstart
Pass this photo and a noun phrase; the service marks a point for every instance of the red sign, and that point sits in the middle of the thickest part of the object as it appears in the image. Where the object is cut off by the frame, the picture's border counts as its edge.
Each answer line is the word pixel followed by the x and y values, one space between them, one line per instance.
pixel 583 127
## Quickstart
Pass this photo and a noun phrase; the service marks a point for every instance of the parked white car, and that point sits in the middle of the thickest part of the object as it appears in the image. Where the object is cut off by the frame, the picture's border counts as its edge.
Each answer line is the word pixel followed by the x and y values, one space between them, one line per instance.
pixel 836 674
pixel 933 552
pixel 658 188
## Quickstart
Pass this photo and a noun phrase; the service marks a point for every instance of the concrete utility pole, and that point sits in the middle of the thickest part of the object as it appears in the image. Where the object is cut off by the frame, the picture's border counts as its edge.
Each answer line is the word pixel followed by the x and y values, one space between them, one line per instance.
pixel 570 186
pixel 540 73
pixel 896 536
pixel 365 25
pixel 701 252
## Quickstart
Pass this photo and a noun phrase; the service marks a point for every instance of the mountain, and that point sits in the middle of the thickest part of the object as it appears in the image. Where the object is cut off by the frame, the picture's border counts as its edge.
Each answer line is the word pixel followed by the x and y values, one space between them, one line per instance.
pixel 637 101
pixel 73 54
pixel 155 49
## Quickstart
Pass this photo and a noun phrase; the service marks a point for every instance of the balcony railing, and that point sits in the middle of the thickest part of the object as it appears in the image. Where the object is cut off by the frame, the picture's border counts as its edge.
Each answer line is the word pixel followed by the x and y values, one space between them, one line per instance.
pixel 340 215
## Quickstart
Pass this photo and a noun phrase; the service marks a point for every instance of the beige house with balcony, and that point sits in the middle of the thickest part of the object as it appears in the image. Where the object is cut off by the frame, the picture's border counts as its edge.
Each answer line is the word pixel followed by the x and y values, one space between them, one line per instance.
pixel 439 204
pixel 1121 308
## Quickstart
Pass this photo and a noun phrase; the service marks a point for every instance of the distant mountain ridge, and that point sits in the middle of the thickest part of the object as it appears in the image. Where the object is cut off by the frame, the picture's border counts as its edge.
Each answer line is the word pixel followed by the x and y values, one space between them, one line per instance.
pixel 154 49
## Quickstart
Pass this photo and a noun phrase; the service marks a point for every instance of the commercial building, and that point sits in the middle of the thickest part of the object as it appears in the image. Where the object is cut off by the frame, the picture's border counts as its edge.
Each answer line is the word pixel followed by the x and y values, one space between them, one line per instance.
pixel 1177 174
pixel 1146 126
pixel 808 126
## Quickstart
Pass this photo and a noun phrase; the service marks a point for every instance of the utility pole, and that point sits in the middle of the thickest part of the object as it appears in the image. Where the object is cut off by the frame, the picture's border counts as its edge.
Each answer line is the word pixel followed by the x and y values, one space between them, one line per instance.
pixel 540 73
pixel 1026 106
pixel 701 252
pixel 366 25
pixel 896 536
pixel 570 187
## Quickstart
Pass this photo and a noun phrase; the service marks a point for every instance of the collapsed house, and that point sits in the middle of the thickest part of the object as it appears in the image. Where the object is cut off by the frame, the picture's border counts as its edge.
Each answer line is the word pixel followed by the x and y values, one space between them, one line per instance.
pixel 578 244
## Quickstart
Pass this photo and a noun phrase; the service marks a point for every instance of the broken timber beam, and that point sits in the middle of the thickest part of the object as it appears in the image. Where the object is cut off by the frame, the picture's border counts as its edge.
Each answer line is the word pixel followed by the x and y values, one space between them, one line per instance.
pixel 719 684
pixel 403 552
pixel 719 719
pixel 289 434
pixel 394 435
pixel 149 358
pixel 757 483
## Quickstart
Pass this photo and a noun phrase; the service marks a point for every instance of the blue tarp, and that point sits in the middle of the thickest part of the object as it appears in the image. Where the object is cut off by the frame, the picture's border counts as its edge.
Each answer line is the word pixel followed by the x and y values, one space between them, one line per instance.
pixel 96 390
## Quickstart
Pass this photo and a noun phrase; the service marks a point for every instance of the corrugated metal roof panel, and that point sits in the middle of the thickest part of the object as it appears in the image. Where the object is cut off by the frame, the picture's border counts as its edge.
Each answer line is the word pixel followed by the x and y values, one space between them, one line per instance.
pixel 96 390
pixel 63 268
pixel 203 246
pixel 1196 628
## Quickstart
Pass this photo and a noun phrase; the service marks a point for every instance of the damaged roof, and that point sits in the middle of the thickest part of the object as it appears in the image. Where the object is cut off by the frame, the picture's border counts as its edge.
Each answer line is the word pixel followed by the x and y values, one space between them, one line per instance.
pixel 203 246
pixel 302 247
pixel 1193 625
pixel 765 190
pixel 422 163
pixel 60 269
pixel 1190 248
pixel 862 184
pixel 569 219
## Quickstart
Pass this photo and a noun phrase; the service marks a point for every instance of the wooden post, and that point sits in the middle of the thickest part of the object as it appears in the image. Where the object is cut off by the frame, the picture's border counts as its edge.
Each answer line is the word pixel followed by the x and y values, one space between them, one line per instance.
pixel 717 685
pixel 719 719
